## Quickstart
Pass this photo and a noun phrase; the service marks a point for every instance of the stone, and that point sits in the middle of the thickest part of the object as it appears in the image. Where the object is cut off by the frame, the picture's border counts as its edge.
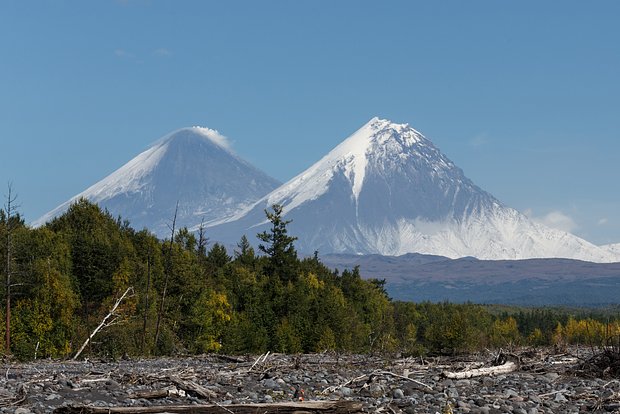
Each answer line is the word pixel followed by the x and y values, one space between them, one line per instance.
pixel 551 376
pixel 271 384
pixel 508 393
pixel 488 382
pixel 346 391
pixel 51 397
pixel 376 390
pixel 463 383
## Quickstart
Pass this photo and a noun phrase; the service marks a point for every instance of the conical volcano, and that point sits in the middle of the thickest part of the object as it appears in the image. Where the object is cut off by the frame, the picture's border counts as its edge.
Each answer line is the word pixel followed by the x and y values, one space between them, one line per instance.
pixel 387 189
pixel 193 166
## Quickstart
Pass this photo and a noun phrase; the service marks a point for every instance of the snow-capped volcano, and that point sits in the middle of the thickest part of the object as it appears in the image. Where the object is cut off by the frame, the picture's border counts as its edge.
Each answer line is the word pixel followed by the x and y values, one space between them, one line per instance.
pixel 193 166
pixel 388 190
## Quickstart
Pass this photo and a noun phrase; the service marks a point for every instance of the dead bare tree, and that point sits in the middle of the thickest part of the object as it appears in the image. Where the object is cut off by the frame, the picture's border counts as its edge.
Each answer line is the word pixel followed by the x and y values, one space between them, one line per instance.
pixel 146 299
pixel 106 321
pixel 10 212
pixel 203 241
pixel 166 277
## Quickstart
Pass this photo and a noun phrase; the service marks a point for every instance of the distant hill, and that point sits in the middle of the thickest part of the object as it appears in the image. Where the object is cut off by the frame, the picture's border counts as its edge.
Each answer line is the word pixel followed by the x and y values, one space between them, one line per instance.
pixel 415 277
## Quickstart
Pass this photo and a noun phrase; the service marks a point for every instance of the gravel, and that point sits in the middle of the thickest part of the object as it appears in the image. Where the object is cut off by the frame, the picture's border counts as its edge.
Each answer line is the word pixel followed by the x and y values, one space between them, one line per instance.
pixel 382 384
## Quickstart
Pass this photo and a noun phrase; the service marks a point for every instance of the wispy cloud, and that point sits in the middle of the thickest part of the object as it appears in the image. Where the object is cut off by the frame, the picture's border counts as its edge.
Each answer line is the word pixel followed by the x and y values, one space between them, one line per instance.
pixel 556 219
pixel 215 136
pixel 123 54
pixel 603 221
pixel 479 140
pixel 162 52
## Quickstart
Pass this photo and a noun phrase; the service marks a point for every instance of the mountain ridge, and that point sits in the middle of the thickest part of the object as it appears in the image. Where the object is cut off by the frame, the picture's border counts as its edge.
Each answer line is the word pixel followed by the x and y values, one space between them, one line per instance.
pixel 543 281
pixel 386 189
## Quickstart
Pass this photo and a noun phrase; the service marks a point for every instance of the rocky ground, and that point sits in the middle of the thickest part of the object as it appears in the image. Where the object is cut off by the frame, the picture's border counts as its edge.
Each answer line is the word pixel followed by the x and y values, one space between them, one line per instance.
pixel 542 383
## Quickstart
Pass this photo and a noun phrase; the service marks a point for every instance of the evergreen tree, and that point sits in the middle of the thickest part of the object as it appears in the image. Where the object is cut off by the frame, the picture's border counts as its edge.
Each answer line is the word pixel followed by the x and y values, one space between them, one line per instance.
pixel 244 254
pixel 279 246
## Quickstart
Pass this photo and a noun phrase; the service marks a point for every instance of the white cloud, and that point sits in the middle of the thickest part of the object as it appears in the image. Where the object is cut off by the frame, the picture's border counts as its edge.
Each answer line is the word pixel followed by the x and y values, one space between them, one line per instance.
pixel 162 52
pixel 479 140
pixel 122 53
pixel 555 219
pixel 215 136
pixel 603 221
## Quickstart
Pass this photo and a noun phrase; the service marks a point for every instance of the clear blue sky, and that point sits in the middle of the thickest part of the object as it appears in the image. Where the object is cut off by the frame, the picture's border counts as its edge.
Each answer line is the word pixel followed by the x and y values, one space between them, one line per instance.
pixel 524 96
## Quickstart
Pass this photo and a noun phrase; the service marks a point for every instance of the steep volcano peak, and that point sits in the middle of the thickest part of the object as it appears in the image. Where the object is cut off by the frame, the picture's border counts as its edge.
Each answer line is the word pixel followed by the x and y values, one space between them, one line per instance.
pixel 378 133
pixel 379 141
pixel 195 134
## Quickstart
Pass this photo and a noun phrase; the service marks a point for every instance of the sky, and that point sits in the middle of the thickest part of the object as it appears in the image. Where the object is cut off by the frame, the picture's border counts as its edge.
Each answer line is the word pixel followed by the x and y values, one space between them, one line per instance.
pixel 523 96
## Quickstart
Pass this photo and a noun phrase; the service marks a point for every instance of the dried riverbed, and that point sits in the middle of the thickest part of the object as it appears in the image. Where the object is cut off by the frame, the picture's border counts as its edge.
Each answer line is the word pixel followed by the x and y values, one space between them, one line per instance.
pixel 542 383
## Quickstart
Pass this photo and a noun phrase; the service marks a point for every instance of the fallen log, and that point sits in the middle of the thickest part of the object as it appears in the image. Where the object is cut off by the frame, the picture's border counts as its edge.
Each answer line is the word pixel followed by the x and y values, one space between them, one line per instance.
pixel 479 372
pixel 306 407
pixel 191 386
pixel 152 394
pixel 228 358
pixel 428 387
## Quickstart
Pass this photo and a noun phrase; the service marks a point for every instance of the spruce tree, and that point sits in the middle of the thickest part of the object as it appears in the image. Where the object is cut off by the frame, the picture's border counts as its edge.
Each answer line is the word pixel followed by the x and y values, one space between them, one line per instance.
pixel 279 246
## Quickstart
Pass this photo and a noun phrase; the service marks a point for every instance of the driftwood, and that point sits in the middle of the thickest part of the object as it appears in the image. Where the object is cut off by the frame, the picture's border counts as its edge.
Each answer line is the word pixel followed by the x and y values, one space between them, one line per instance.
pixel 479 372
pixel 307 407
pixel 260 359
pixel 191 386
pixel 104 322
pixel 8 399
pixel 149 394
pixel 428 387
pixel 372 374
pixel 229 358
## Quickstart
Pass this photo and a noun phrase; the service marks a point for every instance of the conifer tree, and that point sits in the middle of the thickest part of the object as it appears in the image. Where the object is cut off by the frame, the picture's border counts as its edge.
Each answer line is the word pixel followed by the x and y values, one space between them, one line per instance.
pixel 279 246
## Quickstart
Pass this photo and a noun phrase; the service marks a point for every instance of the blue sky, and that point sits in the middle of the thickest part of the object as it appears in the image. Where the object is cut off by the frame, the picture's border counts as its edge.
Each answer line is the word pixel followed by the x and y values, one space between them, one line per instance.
pixel 523 96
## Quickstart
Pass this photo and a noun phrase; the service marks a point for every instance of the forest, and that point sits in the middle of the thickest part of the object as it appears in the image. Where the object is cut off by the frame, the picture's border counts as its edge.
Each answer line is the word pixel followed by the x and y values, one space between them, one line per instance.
pixel 87 281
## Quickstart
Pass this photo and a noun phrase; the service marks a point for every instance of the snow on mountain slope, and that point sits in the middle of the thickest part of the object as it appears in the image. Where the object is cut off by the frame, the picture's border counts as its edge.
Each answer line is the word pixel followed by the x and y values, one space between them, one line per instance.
pixel 388 190
pixel 613 248
pixel 193 166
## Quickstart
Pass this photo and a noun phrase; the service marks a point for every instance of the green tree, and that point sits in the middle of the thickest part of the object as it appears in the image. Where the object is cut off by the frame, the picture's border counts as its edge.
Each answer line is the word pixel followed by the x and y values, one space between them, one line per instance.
pixel 244 254
pixel 504 332
pixel 208 318
pixel 278 246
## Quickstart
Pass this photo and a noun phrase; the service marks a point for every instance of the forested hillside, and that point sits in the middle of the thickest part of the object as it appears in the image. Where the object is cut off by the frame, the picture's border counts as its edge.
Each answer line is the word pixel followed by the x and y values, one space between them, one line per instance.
pixel 187 295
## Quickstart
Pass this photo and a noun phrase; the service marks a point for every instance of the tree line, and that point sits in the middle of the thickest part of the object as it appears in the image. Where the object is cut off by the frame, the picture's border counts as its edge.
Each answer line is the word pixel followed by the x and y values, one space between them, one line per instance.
pixel 185 295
